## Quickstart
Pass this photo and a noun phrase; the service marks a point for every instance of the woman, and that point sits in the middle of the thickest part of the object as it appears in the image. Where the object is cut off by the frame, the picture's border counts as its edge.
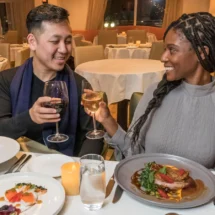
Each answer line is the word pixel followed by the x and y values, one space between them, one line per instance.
pixel 177 115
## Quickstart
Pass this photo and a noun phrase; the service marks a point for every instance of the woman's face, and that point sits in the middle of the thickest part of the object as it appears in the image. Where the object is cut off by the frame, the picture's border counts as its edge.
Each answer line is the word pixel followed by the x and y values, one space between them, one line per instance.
pixel 179 58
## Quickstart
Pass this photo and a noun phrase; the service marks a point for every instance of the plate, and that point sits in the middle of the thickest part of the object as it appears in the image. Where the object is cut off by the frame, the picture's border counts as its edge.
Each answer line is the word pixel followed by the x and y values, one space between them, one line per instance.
pixel 52 201
pixel 8 148
pixel 126 168
pixel 48 164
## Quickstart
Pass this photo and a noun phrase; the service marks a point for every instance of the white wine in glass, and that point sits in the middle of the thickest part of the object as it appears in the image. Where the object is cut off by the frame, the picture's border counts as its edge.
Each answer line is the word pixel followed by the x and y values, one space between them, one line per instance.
pixel 91 102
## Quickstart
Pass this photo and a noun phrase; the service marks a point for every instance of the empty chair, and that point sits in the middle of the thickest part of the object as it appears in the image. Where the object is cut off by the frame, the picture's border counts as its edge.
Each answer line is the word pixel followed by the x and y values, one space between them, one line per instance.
pixel 137 35
pixel 79 41
pixel 107 37
pixel 5 50
pixel 135 98
pixel 156 50
pixel 22 56
pixel 11 37
pixel 88 53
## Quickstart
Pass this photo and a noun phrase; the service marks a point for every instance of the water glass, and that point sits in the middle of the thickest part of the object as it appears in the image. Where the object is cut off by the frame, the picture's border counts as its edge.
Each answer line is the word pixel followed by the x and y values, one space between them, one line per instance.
pixel 92 185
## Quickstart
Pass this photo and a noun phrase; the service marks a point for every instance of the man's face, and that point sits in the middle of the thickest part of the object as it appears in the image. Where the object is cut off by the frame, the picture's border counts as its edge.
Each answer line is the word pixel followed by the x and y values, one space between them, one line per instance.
pixel 52 46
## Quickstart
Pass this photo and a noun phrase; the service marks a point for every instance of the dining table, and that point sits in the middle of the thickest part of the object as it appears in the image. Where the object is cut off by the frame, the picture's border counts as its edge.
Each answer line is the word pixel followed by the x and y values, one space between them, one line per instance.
pixel 120 78
pixel 127 205
pixel 124 51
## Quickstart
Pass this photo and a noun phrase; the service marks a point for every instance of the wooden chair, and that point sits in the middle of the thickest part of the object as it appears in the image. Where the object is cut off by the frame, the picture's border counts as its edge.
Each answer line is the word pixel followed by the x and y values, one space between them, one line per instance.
pixel 135 98
pixel 107 37
pixel 5 50
pixel 22 56
pixel 156 50
pixel 137 35
pixel 88 53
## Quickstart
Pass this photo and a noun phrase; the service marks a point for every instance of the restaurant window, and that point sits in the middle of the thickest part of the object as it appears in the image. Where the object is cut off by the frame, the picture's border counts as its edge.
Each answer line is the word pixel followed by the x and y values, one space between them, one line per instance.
pixel 121 12
pixel 150 12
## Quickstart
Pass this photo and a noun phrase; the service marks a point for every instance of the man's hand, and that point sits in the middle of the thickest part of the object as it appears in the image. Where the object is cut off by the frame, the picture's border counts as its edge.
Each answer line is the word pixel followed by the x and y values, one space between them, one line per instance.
pixel 40 114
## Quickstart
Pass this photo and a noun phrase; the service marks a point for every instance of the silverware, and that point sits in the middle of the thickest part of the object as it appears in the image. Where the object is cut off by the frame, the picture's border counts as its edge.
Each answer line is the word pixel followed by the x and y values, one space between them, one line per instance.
pixel 16 164
pixel 23 163
pixel 118 194
pixel 171 213
pixel 110 186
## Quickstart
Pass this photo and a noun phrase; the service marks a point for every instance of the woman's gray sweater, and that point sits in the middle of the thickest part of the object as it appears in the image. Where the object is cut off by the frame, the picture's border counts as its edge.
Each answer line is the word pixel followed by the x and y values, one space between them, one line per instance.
pixel 183 125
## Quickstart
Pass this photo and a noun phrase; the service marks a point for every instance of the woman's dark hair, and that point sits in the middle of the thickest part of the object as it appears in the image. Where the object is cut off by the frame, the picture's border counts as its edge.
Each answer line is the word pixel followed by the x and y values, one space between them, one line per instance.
pixel 45 12
pixel 199 29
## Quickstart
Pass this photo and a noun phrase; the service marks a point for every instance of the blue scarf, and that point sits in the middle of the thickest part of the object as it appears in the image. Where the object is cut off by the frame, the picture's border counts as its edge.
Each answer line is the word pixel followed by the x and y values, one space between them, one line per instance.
pixel 20 90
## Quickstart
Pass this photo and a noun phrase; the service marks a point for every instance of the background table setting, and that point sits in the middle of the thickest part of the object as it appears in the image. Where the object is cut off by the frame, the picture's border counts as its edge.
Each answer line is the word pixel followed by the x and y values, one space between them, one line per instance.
pixel 116 51
pixel 55 201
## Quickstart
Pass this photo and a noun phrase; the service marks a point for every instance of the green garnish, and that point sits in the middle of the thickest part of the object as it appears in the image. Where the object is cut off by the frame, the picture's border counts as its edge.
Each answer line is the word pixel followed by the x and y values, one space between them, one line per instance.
pixel 163 170
pixel 147 179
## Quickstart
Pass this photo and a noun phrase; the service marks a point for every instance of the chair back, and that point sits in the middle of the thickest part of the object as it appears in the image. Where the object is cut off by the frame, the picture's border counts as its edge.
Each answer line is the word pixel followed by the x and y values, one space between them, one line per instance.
pixel 135 98
pixel 77 40
pixel 5 50
pixel 137 35
pixel 88 53
pixel 156 50
pixel 107 37
pixel 11 37
pixel 22 56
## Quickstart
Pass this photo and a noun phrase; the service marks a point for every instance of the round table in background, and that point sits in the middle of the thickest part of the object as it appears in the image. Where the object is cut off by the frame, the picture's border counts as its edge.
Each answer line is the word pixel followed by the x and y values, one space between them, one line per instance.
pixel 119 78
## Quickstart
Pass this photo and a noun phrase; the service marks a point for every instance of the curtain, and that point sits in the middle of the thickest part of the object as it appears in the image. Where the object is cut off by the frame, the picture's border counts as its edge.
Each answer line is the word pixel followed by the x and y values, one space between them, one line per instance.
pixel 173 10
pixel 17 11
pixel 95 16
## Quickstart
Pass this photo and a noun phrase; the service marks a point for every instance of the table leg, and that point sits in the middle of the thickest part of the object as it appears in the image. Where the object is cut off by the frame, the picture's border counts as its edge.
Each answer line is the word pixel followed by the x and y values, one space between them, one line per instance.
pixel 122 112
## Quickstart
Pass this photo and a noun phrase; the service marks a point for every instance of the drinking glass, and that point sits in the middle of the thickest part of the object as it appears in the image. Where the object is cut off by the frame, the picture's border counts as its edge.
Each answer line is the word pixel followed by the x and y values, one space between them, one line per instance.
pixel 58 92
pixel 92 184
pixel 91 102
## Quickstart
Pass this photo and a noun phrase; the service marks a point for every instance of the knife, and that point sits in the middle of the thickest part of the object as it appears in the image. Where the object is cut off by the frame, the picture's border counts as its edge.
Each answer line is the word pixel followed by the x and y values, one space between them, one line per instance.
pixel 16 164
pixel 110 186
pixel 23 163
pixel 118 194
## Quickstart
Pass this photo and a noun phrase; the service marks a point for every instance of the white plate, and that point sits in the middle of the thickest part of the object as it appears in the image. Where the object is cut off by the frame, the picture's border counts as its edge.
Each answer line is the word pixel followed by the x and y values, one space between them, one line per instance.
pixel 52 201
pixel 8 148
pixel 48 164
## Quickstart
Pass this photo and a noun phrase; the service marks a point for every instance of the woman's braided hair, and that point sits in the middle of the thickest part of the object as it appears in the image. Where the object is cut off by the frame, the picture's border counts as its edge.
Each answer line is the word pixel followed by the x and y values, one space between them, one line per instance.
pixel 199 29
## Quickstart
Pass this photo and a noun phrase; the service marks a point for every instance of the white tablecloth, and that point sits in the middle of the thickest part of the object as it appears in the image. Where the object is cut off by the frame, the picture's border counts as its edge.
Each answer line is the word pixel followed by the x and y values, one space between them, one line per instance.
pixel 124 53
pixel 4 64
pixel 126 205
pixel 122 38
pixel 119 78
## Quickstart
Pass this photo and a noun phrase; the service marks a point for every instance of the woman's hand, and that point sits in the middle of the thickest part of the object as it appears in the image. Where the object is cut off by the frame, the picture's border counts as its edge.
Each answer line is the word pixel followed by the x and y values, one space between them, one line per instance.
pixel 103 116
pixel 41 114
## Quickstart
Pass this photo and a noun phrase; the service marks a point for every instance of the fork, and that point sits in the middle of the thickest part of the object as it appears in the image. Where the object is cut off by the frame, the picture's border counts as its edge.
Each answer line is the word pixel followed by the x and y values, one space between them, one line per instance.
pixel 23 163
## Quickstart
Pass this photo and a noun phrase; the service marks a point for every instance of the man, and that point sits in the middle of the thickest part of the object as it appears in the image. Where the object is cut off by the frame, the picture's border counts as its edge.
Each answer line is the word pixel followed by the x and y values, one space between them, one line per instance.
pixel 21 89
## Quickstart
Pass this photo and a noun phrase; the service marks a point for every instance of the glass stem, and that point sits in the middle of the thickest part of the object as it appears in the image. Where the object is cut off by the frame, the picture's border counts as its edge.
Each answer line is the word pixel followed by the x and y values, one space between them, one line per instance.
pixel 57 129
pixel 94 123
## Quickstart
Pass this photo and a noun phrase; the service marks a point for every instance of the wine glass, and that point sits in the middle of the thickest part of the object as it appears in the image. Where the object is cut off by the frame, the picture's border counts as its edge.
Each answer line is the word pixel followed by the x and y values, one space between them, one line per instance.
pixel 58 92
pixel 91 102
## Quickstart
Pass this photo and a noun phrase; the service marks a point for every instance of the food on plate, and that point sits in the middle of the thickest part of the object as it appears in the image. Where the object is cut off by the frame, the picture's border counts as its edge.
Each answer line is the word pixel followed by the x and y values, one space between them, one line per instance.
pixel 167 182
pixel 24 195
pixel 9 210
